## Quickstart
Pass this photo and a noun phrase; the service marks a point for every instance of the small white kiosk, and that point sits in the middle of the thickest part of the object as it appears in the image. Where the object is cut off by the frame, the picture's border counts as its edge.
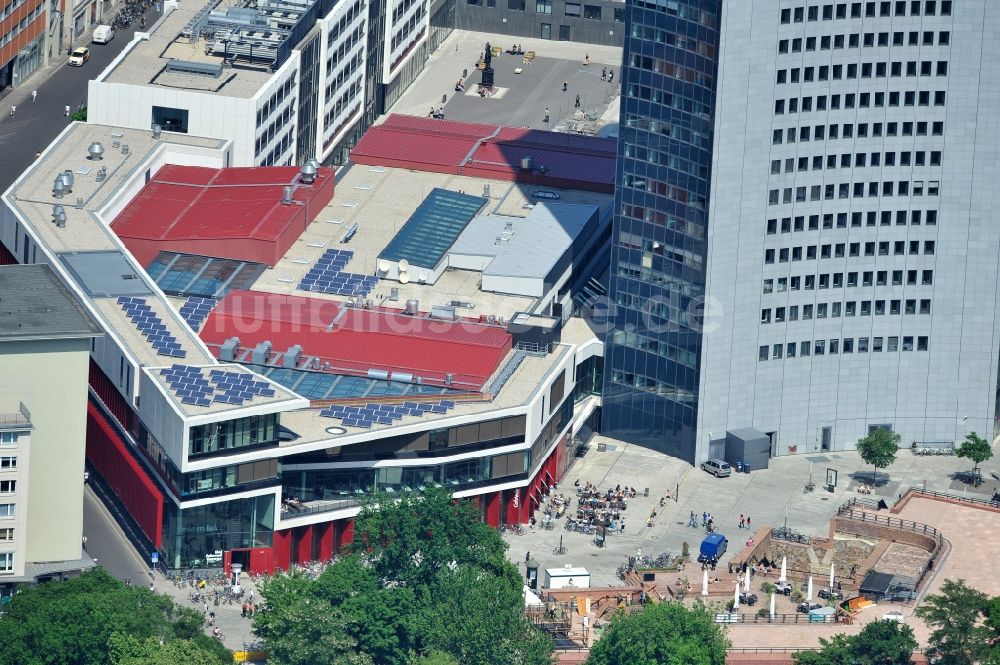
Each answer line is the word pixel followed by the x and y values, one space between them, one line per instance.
pixel 567 577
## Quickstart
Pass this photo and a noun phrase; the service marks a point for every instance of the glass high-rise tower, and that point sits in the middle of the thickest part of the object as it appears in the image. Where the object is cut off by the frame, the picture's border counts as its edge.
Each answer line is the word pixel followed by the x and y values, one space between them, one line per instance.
pixel 658 254
pixel 819 176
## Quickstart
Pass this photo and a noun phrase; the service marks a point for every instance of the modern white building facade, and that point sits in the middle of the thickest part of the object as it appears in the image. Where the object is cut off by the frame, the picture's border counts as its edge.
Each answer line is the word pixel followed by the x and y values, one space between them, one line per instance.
pixel 852 246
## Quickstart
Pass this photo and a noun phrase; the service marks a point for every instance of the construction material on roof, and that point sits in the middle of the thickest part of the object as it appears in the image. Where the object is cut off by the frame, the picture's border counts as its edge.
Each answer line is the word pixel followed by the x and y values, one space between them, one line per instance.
pixel 249 214
pixel 531 156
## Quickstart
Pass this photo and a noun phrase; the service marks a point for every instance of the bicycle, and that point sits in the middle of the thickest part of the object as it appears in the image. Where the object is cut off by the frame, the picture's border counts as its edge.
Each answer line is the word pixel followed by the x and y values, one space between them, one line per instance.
pixel 516 529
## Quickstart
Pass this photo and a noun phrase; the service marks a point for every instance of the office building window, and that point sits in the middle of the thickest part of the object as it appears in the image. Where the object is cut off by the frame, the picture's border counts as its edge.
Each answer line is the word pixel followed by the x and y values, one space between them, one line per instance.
pixel 8 463
pixel 6 510
pixel 6 562
pixel 8 439
pixel 6 534
pixel 8 486
pixel 619 15
pixel 564 33
pixel 592 12
pixel 572 9
pixel 544 7
pixel 171 119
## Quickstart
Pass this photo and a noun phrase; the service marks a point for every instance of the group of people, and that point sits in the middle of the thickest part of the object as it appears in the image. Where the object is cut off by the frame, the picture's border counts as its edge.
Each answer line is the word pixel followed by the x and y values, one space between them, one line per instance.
pixel 602 508
pixel 516 49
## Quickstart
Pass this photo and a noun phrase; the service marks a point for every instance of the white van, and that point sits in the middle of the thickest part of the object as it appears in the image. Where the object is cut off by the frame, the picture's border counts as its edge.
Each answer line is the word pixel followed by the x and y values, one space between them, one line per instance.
pixel 103 34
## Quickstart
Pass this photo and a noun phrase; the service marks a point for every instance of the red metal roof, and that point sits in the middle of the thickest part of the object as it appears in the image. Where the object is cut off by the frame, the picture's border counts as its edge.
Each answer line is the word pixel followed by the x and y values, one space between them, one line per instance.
pixel 233 213
pixel 355 340
pixel 490 151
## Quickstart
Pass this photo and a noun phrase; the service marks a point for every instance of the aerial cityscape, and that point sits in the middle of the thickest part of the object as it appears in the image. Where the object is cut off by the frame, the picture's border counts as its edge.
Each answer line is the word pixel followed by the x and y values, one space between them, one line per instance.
pixel 449 332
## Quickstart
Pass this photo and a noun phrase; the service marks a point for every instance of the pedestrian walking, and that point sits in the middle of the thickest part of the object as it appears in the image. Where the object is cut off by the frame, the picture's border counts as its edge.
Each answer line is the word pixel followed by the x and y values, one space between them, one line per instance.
pixel 546 114
pixel 604 73
pixel 13 110
pixel 565 86
pixel 742 520
pixel 66 111
pixel 704 519
pixel 622 530
pixel 693 520
pixel 527 556
pixel 34 95
pixel 611 76
pixel 577 101
pixel 748 521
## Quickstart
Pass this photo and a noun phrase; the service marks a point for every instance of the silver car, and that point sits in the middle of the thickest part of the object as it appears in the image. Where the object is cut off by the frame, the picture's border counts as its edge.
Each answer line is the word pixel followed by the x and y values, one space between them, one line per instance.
pixel 717 468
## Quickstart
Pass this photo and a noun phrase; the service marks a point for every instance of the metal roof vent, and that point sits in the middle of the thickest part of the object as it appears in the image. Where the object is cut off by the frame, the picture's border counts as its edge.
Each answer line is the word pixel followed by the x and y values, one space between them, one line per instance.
pixel 95 152
pixel 156 132
pixel 59 187
pixel 229 349
pixel 412 307
pixel 286 196
pixel 59 215
pixel 527 162
pixel 309 171
pixel 67 177
pixel 124 148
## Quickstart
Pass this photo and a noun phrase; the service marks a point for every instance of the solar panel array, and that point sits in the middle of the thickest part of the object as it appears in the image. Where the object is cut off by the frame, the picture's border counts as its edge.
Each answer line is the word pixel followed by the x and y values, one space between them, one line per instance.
pixel 151 327
pixel 328 276
pixel 237 387
pixel 383 414
pixel 196 310
pixel 192 387
pixel 189 384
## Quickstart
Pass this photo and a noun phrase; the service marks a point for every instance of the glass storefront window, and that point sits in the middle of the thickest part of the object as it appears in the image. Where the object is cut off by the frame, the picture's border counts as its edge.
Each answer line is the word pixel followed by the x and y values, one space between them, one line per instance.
pixel 196 537
pixel 233 434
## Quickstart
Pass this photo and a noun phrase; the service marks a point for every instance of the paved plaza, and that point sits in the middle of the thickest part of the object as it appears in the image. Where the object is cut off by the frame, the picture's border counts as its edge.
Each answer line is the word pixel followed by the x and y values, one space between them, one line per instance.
pixel 769 497
pixel 525 96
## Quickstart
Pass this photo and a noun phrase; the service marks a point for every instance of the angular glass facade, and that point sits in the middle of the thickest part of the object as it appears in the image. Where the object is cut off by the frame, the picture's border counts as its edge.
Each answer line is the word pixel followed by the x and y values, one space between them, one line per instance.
pixel 658 250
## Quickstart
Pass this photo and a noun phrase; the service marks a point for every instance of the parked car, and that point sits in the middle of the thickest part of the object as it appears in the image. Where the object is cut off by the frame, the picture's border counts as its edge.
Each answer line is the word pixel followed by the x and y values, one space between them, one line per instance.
pixel 717 468
pixel 103 34
pixel 712 548
pixel 806 608
pixel 545 194
pixel 79 56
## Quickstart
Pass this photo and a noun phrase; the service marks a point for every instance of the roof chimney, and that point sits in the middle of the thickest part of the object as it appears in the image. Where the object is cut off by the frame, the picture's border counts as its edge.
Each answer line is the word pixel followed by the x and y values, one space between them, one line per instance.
pixel 286 196
pixel 59 215
pixel 95 152
pixel 309 171
pixel 156 132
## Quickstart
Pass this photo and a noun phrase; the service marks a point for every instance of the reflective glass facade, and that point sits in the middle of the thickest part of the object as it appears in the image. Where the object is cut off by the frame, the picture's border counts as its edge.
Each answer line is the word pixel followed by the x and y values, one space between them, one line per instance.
pixel 659 235
pixel 198 536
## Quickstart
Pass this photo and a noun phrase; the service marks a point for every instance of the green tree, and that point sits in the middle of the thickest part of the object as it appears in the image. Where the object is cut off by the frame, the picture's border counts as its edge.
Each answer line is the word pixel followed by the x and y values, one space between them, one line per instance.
pixel 128 650
pixel 427 577
pixel 71 622
pixel 411 538
pixel 974 448
pixel 308 631
pixel 478 618
pixel 80 115
pixel 879 449
pixel 434 657
pixel 878 643
pixel 954 614
pixel 662 633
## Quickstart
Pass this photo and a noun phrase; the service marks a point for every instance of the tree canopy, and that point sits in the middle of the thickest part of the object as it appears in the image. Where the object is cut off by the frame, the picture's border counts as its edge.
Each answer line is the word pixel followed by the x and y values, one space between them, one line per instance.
pixel 879 643
pixel 72 623
pixel 974 448
pixel 954 615
pixel 427 583
pixel 879 448
pixel 662 633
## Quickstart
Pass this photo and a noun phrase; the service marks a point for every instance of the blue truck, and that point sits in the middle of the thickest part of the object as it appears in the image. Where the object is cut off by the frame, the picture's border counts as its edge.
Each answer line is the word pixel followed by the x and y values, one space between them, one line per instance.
pixel 712 548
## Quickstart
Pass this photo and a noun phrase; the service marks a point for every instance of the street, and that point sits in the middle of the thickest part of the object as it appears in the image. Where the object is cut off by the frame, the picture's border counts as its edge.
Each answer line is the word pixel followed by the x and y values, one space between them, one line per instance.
pixel 35 124
pixel 107 545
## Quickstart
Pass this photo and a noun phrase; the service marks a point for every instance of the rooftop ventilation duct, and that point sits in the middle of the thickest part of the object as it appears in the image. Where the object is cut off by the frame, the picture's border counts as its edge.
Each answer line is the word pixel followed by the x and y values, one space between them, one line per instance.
pixel 308 172
pixel 227 353
pixel 157 130
pixel 290 359
pixel 527 163
pixel 67 177
pixel 261 353
pixel 59 215
pixel 95 152
pixel 286 196
pixel 412 307
pixel 59 187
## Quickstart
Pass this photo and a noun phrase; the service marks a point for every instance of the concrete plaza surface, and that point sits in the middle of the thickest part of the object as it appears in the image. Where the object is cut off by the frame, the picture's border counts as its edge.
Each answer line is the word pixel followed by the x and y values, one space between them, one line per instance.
pixel 766 496
pixel 526 95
